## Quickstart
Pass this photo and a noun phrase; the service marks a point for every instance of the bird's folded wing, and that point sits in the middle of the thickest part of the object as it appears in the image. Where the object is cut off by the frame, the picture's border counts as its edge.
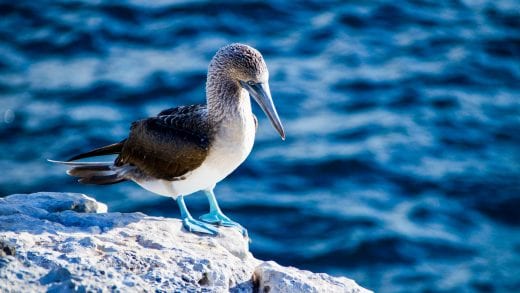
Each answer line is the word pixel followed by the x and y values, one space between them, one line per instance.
pixel 167 146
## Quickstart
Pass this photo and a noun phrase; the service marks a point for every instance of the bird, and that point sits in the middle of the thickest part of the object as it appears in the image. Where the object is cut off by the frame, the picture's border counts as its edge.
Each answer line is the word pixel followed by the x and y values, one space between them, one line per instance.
pixel 187 149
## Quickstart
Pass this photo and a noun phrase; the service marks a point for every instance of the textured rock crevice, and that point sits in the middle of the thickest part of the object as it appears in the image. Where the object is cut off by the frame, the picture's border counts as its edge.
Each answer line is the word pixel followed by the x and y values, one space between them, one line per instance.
pixel 69 242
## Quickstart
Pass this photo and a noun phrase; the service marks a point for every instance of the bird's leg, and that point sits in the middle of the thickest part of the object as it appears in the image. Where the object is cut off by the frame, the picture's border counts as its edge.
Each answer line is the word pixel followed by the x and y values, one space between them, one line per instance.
pixel 190 224
pixel 215 215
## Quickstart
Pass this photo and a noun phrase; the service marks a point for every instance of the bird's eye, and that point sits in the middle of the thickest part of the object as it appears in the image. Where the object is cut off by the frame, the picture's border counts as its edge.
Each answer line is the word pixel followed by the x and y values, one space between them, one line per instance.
pixel 251 83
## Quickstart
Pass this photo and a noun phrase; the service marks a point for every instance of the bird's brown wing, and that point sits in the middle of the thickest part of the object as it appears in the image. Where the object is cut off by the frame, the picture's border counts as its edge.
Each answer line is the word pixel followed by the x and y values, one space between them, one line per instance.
pixel 169 145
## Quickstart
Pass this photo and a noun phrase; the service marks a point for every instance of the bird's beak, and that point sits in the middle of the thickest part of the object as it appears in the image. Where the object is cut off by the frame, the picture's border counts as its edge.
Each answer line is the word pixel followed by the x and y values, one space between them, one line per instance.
pixel 262 95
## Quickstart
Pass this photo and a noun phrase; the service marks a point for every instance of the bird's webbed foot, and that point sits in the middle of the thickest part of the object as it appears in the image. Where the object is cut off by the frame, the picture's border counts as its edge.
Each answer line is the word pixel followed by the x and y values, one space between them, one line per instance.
pixel 219 219
pixel 192 225
pixel 215 215
pixel 195 226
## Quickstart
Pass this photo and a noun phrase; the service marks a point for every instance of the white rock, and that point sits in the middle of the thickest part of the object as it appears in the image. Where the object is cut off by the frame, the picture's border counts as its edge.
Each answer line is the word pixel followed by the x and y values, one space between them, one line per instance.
pixel 272 277
pixel 60 242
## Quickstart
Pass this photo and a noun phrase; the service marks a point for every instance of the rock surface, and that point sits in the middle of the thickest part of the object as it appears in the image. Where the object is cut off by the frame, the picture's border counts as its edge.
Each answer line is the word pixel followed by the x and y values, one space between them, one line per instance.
pixel 62 242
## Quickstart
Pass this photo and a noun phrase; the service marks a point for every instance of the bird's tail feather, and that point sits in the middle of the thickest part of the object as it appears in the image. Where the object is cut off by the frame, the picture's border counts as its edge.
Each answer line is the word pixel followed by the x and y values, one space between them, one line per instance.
pixel 112 149
pixel 99 173
pixel 102 180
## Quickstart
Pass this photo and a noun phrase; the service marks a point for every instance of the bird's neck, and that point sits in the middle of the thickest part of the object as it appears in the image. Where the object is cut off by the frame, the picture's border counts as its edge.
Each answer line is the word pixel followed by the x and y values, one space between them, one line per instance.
pixel 227 101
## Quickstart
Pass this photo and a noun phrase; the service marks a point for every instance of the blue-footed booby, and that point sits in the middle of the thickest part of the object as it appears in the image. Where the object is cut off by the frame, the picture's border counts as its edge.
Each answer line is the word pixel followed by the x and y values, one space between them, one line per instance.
pixel 186 149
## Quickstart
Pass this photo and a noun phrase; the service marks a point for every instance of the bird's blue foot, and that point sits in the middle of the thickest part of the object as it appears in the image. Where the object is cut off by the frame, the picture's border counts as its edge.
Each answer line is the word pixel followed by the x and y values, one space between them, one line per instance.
pixel 192 225
pixel 219 219
pixel 215 215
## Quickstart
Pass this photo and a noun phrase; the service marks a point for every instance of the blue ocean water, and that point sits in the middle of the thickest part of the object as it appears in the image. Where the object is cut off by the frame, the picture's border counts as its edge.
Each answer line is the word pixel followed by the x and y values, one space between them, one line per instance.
pixel 401 167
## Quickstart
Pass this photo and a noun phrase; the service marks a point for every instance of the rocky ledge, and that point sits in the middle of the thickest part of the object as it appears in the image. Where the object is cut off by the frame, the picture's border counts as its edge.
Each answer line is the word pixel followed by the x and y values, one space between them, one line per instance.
pixel 65 242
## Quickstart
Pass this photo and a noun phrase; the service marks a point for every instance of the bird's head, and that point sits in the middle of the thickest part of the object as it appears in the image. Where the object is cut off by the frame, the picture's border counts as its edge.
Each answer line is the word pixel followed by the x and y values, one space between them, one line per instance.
pixel 246 67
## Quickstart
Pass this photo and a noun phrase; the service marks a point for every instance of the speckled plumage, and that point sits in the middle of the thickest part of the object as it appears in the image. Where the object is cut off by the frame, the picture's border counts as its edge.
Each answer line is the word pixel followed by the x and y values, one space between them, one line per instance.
pixel 230 64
